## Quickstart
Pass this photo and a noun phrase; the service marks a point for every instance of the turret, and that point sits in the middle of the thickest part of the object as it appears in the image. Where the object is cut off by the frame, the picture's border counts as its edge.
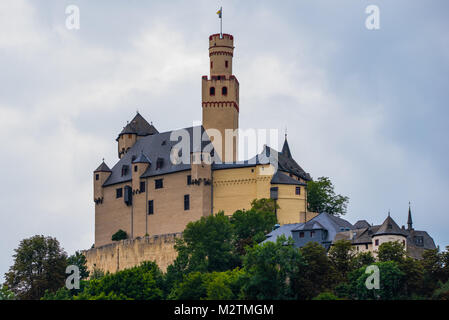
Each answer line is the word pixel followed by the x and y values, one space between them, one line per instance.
pixel 133 131
pixel 409 219
pixel 101 174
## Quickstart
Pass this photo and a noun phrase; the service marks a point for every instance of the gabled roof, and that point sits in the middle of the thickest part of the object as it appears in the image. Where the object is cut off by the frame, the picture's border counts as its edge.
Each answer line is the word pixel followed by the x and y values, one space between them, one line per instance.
pixel 139 126
pixel 389 226
pixel 157 146
pixel 361 224
pixel 103 168
pixel 282 178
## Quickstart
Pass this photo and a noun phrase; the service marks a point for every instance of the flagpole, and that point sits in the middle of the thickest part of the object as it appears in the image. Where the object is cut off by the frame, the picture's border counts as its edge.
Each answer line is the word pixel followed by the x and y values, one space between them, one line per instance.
pixel 221 22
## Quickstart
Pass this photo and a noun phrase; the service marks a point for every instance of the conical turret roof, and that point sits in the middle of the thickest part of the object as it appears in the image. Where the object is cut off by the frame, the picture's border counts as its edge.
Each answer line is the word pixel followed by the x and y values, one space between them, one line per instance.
pixel 103 168
pixel 139 126
pixel 389 226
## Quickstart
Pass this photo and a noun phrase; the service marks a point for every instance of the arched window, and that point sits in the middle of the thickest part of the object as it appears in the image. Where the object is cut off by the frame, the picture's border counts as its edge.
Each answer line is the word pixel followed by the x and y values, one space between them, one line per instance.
pixel 212 91
pixel 226 63
pixel 224 91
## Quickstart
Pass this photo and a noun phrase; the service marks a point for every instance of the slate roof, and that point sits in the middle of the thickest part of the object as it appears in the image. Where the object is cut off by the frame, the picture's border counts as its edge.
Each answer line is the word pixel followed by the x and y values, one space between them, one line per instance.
pixel 103 168
pixel 142 158
pixel 286 149
pixel 322 221
pixel 389 226
pixel 139 126
pixel 269 155
pixel 156 146
pixel 281 178
pixel 361 224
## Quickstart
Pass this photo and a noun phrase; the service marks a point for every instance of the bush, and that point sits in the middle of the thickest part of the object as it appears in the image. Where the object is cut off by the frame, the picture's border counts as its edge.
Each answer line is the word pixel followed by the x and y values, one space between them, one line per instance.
pixel 119 235
pixel 326 296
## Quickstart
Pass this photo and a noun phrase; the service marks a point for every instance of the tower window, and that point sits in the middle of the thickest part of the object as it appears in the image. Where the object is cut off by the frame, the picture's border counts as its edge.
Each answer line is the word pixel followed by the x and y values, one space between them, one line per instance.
pixel 211 64
pixel 186 202
pixel 159 163
pixel 212 91
pixel 118 193
pixel 142 186
pixel 301 234
pixel 150 206
pixel 224 91
pixel 298 191
pixel 377 242
pixel 129 136
pixel 124 170
pixel 226 63
pixel 189 180
pixel 97 176
pixel 135 168
pixel 158 183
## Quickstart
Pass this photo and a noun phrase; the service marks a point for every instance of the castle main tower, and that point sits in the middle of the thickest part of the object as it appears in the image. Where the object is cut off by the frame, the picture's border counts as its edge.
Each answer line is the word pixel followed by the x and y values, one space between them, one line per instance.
pixel 220 98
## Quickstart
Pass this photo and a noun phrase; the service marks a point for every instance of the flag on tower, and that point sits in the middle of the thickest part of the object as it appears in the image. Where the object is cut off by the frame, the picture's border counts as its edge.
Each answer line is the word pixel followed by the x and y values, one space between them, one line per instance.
pixel 219 12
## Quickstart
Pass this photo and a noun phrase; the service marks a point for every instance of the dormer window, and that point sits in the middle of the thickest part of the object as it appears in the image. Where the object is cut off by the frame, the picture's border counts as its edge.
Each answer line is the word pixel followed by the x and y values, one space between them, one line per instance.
pixel 212 91
pixel 159 163
pixel 224 91
pixel 125 169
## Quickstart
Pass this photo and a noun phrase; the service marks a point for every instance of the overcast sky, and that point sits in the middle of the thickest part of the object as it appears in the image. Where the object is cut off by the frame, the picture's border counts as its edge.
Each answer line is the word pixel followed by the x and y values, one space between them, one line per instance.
pixel 367 108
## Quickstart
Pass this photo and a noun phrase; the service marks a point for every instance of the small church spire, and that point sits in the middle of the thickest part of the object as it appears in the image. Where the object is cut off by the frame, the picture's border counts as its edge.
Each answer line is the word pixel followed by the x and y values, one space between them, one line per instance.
pixel 285 147
pixel 409 220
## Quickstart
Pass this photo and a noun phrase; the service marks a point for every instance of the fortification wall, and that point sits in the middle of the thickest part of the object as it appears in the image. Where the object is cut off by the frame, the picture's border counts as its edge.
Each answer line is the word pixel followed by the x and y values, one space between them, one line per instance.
pixel 129 253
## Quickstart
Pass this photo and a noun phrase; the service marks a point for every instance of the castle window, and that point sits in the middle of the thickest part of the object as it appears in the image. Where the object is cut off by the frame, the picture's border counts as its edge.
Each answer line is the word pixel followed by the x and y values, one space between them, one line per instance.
pixel 212 91
pixel 312 234
pixel 211 64
pixel 135 168
pixel 366 246
pixel 376 242
pixel 226 63
pixel 150 206
pixel 224 91
pixel 189 180
pixel 97 176
pixel 118 193
pixel 142 186
pixel 419 241
pixel 158 183
pixel 301 234
pixel 298 191
pixel 124 170
pixel 186 202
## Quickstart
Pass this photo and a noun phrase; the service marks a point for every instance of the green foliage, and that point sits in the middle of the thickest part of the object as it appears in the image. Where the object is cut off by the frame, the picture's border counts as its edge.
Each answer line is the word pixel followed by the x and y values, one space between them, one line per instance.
pixel 391 283
pixel 442 293
pixel 251 226
pixel 144 282
pixel 6 294
pixel 341 256
pixel 207 245
pixel 273 271
pixel 326 296
pixel 391 251
pixel 209 286
pixel 318 276
pixel 78 259
pixel 119 235
pixel 362 259
pixel 321 197
pixel 39 265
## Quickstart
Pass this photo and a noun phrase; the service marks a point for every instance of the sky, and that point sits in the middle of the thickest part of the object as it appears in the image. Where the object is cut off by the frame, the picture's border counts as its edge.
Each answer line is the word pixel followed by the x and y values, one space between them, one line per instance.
pixel 367 108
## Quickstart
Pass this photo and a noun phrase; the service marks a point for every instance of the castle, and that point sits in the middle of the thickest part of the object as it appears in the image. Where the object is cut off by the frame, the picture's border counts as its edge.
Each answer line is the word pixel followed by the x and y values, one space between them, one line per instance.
pixel 146 193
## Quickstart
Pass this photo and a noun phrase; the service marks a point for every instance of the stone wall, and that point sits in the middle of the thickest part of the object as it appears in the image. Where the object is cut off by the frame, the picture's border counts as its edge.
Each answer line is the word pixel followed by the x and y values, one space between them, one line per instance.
pixel 129 253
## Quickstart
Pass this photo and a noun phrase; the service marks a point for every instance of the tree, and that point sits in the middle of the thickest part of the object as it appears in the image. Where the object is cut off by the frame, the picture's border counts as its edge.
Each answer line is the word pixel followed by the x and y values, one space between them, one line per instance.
pixel 119 235
pixel 391 283
pixel 39 265
pixel 251 226
pixel 391 251
pixel 273 270
pixel 319 271
pixel 143 282
pixel 362 259
pixel 322 198
pixel 78 259
pixel 432 263
pixel 414 276
pixel 6 294
pixel 341 256
pixel 207 245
